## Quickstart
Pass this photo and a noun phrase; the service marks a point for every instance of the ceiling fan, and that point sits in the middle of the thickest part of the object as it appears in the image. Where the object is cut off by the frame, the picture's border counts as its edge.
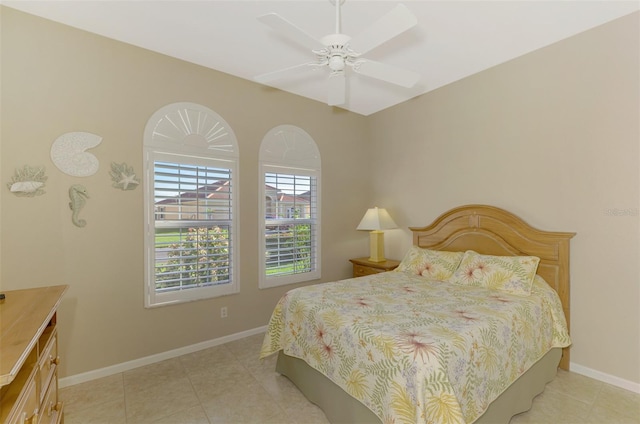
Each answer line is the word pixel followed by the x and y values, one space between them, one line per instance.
pixel 338 51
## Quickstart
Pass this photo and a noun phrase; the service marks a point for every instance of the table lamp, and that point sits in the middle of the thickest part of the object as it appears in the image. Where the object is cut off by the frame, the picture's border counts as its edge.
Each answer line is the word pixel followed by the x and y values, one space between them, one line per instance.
pixel 375 220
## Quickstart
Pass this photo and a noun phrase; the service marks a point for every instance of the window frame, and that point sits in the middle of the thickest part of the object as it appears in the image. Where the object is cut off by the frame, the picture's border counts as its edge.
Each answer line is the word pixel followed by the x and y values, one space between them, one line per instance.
pixel 289 150
pixel 196 150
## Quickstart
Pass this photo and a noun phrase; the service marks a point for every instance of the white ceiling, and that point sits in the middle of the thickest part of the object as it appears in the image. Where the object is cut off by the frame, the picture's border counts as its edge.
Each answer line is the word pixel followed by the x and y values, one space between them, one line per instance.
pixel 453 39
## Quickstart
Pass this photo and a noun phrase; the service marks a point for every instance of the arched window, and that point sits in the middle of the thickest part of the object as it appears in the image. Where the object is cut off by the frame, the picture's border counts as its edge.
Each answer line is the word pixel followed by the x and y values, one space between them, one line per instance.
pixel 191 180
pixel 289 247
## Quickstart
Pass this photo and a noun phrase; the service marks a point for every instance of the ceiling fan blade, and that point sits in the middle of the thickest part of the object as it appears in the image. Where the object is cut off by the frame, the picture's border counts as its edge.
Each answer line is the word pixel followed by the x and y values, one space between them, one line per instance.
pixel 286 72
pixel 290 30
pixel 390 25
pixel 337 88
pixel 388 73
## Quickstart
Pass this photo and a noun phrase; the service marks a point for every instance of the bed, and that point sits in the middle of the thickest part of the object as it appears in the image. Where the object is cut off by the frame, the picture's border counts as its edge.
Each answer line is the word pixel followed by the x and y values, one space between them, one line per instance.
pixel 391 347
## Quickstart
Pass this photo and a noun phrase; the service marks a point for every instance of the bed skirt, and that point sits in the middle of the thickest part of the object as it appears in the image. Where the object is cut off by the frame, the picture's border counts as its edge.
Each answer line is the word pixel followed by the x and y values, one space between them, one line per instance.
pixel 340 407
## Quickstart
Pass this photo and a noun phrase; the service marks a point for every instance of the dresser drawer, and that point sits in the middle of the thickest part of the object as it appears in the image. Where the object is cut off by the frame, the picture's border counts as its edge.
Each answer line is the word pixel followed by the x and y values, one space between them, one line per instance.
pixel 48 363
pixel 26 410
pixel 51 408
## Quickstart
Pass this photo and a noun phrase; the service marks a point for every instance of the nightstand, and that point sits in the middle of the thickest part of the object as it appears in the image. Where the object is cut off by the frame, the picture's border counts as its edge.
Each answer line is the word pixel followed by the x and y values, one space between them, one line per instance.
pixel 363 266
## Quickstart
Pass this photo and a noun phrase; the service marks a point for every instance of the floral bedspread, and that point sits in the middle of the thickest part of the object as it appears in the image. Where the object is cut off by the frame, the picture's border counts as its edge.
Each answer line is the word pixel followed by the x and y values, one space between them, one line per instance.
pixel 415 350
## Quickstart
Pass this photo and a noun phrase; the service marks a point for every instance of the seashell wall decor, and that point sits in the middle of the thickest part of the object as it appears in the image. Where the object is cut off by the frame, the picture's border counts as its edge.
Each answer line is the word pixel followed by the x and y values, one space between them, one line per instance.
pixel 123 176
pixel 28 182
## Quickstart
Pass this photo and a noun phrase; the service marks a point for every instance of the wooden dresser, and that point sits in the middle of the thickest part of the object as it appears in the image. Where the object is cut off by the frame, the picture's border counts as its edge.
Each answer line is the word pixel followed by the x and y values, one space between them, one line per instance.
pixel 363 266
pixel 29 356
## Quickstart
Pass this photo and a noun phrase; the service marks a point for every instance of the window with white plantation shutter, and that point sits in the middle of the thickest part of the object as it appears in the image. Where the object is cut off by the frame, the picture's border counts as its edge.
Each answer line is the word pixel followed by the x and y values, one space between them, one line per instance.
pixel 190 213
pixel 193 230
pixel 289 245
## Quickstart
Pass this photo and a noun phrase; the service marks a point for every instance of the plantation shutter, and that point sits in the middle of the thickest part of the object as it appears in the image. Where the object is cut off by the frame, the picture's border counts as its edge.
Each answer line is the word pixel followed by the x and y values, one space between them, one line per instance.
pixel 193 231
pixel 290 224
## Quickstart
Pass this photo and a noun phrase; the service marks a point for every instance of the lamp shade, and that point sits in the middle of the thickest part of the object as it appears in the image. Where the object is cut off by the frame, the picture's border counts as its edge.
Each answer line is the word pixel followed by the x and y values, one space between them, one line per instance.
pixel 376 219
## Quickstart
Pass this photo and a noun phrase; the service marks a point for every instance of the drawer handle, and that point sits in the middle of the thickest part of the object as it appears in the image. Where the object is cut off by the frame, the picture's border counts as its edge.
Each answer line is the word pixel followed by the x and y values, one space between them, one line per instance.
pixel 54 361
pixel 32 419
pixel 53 407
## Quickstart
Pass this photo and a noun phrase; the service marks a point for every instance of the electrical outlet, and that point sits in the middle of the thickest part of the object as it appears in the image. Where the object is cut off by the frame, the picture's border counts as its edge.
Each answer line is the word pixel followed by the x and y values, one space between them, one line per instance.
pixel 223 312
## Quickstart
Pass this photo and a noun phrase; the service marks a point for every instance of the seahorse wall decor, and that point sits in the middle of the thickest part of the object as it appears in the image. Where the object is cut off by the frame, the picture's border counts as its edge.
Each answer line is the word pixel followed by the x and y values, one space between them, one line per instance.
pixel 78 195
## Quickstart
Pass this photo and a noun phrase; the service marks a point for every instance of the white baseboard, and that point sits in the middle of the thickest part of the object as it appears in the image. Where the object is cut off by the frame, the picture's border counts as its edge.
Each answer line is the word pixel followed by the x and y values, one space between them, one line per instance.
pixel 605 378
pixel 148 360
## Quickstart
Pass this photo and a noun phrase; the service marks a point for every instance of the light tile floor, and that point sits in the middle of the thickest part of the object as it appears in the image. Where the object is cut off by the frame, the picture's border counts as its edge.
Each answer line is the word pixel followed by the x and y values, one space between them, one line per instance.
pixel 229 384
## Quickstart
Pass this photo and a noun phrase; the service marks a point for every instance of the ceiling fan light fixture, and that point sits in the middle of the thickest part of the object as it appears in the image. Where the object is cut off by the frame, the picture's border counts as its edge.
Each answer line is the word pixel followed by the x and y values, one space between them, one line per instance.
pixel 336 63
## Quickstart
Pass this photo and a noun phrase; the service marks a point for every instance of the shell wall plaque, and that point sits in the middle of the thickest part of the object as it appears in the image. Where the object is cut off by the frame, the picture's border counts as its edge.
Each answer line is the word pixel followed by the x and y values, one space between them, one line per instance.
pixel 28 182
pixel 123 176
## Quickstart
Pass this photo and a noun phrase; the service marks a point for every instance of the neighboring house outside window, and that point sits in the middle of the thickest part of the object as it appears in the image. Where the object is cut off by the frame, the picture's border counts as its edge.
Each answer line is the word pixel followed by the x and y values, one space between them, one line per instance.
pixel 191 180
pixel 289 244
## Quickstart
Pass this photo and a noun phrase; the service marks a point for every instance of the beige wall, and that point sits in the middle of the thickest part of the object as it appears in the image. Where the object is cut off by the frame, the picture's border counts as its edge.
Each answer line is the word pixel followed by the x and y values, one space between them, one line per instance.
pixel 56 79
pixel 552 136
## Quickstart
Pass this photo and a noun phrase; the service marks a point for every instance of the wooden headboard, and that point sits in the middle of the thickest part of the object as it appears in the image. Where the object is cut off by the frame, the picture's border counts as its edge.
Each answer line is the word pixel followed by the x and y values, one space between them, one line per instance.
pixel 494 231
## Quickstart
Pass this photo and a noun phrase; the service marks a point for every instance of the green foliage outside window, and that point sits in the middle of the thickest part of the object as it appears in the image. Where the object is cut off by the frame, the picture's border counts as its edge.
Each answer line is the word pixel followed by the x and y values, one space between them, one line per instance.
pixel 289 250
pixel 200 258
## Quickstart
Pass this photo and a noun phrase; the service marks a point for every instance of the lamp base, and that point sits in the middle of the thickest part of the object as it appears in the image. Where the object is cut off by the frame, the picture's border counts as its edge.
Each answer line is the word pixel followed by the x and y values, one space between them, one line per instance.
pixel 376 246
